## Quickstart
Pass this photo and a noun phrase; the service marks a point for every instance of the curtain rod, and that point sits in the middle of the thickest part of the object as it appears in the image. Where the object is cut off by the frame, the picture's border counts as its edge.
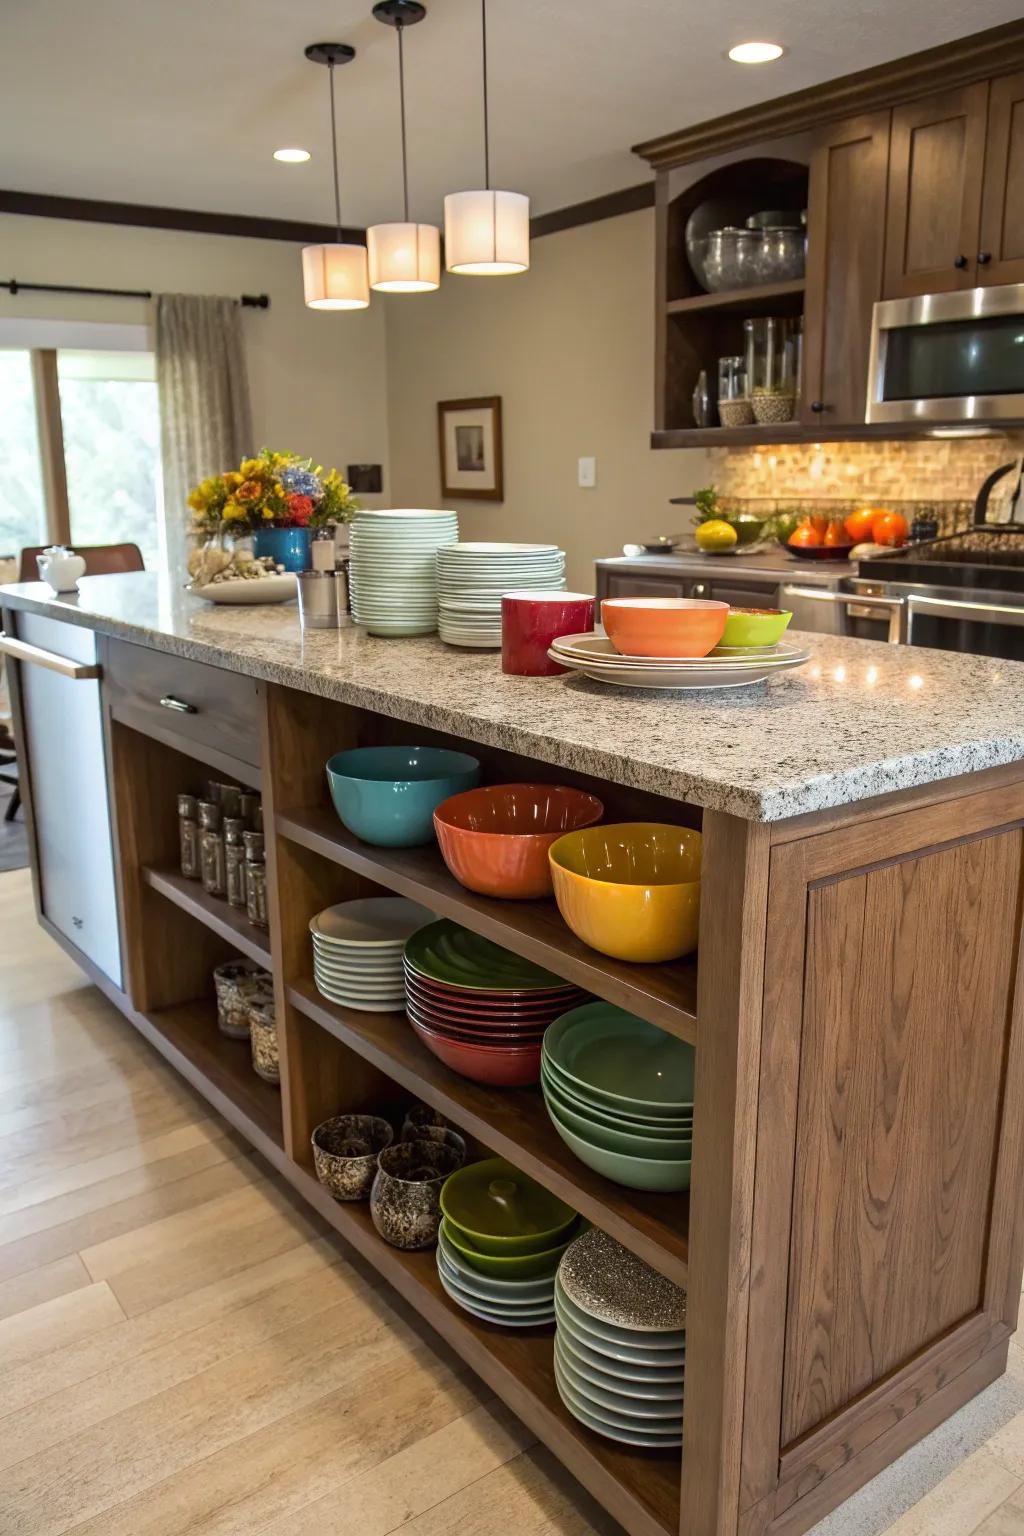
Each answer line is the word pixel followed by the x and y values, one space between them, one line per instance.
pixel 14 285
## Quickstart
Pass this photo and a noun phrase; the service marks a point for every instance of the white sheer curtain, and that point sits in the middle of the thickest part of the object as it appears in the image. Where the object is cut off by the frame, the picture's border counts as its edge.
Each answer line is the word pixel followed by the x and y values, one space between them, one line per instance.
pixel 205 419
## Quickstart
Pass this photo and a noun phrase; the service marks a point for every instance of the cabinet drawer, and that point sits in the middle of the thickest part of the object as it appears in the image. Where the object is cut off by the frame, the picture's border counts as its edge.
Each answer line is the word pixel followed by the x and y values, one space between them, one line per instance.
pixel 155 692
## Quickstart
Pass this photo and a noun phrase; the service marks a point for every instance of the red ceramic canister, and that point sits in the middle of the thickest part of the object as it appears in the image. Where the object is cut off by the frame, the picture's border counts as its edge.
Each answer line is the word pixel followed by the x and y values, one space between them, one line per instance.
pixel 531 619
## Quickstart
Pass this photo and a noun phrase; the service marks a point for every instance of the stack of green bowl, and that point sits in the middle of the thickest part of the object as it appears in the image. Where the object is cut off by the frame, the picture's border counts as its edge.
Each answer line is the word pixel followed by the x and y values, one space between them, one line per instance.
pixel 619 1092
pixel 502 1237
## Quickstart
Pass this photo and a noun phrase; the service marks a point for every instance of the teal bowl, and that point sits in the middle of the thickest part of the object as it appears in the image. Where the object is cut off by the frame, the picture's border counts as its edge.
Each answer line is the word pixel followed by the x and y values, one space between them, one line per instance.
pixel 387 795
pixel 613 1140
pixel 664 1175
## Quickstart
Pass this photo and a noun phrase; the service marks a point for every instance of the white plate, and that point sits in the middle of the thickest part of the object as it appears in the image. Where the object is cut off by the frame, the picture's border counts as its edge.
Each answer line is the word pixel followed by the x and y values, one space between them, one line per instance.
pixel 489 1315
pixel 603 1373
pixel 580 1410
pixel 472 547
pixel 661 1413
pixel 358 1006
pixel 677 678
pixel 371 921
pixel 278 588
pixel 628 1373
pixel 597 649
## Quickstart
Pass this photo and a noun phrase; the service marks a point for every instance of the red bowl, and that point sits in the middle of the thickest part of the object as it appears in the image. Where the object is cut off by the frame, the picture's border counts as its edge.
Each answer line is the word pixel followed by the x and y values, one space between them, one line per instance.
pixel 495 840
pixel 496 1037
pixel 489 995
pixel 470 1008
pixel 498 1066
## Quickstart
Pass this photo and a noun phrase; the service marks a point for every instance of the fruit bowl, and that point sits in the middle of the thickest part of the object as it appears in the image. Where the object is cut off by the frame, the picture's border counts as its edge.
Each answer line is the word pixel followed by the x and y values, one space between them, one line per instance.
pixel 820 551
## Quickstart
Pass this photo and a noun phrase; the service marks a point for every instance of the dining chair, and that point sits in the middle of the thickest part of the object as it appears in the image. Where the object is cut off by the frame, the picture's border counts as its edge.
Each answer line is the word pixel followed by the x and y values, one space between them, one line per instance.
pixel 100 559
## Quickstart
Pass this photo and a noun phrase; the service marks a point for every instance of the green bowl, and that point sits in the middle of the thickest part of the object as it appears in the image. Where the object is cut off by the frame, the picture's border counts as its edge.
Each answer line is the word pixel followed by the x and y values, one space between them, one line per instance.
pixel 615 1119
pixel 604 1049
pixel 745 627
pixel 502 1210
pixel 664 1175
pixel 748 529
pixel 613 1140
pixel 511 1266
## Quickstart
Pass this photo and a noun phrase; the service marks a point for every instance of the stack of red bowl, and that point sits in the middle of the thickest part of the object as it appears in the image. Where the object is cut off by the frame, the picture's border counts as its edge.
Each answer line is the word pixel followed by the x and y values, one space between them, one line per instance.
pixel 481 1009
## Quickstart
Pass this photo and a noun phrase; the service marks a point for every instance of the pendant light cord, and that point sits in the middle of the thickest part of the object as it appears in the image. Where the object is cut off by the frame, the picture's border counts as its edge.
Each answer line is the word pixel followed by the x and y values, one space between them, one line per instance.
pixel 399 27
pixel 487 132
pixel 334 152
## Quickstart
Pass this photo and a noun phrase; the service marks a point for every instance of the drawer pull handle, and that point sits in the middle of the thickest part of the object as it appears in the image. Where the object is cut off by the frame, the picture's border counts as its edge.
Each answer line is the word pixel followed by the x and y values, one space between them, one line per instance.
pixel 170 702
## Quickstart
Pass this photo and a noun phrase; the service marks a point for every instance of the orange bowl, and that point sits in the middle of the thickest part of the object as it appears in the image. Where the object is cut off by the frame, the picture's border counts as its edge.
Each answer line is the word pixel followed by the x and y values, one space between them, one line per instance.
pixel 495 839
pixel 663 626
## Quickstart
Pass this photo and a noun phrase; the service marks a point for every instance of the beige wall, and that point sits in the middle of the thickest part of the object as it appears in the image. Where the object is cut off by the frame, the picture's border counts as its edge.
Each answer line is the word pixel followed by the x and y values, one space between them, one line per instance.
pixel 318 381
pixel 569 347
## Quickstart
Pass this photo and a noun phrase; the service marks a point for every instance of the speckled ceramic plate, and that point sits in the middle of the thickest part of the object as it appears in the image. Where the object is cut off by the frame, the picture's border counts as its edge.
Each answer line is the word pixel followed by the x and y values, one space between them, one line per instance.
pixel 586 1415
pixel 659 1413
pixel 611 1285
pixel 648 1382
pixel 647 1350
pixel 489 1315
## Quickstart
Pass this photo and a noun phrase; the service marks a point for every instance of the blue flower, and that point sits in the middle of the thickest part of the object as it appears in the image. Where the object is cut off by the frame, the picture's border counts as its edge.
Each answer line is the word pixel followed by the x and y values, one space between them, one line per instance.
pixel 302 482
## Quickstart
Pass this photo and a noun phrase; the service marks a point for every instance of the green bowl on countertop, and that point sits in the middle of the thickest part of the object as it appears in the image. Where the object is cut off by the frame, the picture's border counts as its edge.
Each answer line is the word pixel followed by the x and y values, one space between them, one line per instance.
pixel 753 627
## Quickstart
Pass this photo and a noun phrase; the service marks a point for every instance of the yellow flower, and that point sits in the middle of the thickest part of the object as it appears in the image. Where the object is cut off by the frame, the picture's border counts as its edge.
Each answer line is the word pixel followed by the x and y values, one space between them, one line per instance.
pixel 249 467
pixel 267 513
pixel 232 510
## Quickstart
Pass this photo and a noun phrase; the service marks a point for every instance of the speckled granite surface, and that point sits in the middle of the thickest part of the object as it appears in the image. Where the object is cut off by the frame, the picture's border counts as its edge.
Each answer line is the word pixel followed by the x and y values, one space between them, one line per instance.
pixel 861 719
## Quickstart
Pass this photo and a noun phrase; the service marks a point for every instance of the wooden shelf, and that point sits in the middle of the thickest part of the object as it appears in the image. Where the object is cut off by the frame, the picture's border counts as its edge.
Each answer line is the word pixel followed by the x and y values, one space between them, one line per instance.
pixel 190 1032
pixel 514 1123
pixel 639 1488
pixel 214 911
pixel 665 995
pixel 755 298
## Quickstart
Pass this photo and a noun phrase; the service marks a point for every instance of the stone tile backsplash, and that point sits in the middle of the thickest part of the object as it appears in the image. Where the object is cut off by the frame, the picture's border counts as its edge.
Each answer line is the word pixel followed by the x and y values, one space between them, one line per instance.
pixel 938 470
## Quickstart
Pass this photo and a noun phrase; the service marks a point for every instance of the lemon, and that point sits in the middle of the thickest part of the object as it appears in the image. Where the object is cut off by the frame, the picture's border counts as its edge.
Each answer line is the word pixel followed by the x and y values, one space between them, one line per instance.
pixel 715 536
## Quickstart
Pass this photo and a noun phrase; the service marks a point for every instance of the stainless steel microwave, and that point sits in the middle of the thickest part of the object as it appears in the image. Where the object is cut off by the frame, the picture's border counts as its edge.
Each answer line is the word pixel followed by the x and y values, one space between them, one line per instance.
pixel 948 357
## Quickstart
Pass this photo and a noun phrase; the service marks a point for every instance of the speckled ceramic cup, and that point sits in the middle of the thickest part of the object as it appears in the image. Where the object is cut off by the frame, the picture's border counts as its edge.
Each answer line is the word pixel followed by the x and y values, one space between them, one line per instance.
pixel 405 1202
pixel 345 1150
pixel 441 1133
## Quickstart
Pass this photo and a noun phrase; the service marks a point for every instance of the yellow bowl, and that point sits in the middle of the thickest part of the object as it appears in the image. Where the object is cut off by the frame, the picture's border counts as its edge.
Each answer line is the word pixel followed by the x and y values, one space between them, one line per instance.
pixel 631 890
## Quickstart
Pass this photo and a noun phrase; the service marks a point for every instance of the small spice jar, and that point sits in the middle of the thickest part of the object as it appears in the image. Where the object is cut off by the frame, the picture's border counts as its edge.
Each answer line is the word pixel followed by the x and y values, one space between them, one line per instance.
pixel 239 983
pixel 234 861
pixel 250 810
pixel 211 848
pixel 255 880
pixel 263 1035
pixel 188 837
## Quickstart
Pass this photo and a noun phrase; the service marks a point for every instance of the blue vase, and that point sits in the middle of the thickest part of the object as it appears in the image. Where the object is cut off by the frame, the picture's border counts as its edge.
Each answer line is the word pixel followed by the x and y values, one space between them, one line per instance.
pixel 289 547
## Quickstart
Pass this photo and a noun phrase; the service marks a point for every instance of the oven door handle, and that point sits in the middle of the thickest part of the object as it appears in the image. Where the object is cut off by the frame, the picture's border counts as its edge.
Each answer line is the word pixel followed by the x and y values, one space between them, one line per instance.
pixel 896 607
pixel 961 608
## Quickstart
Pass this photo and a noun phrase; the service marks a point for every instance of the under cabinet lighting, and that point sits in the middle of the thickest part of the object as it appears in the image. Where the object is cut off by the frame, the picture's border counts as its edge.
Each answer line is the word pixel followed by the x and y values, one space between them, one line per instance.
pixel 291 156
pixel 755 53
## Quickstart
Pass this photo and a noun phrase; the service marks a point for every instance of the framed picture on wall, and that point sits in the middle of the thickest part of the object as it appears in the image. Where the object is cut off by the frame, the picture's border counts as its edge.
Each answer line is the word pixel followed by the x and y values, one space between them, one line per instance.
pixel 469 438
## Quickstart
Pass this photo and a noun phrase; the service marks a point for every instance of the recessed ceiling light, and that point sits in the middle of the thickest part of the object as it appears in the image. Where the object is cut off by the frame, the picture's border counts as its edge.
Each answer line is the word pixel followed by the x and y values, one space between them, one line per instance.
pixel 291 156
pixel 755 53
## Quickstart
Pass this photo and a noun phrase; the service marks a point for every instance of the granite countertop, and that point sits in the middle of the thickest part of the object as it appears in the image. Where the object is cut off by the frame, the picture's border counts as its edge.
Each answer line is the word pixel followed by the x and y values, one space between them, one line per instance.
pixel 862 718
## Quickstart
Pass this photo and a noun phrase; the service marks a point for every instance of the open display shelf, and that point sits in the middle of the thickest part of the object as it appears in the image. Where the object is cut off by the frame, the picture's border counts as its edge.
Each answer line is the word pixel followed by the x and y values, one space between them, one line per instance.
pixel 665 995
pixel 760 299
pixel 225 920
pixel 514 1123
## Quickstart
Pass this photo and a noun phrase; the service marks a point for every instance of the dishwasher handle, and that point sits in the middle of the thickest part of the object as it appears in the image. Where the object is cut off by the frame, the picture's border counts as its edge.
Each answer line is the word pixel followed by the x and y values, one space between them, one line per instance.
pixel 896 607
pixel 20 650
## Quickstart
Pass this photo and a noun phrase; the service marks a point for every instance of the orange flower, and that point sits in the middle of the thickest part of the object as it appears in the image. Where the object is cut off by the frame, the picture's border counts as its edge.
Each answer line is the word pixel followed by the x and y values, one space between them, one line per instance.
pixel 249 491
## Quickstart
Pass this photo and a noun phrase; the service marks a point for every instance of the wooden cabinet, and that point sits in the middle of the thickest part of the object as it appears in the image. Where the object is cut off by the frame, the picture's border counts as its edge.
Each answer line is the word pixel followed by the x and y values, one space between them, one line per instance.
pixel 1001 256
pixel 933 224
pixel 845 238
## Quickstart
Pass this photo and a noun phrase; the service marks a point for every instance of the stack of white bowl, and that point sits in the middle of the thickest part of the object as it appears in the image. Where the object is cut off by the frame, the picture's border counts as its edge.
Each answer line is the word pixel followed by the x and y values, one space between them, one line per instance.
pixel 393 571
pixel 357 951
pixel 472 577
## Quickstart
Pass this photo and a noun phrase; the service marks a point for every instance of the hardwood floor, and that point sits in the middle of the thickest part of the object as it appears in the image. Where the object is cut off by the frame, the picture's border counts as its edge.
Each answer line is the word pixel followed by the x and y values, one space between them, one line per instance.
pixel 185 1349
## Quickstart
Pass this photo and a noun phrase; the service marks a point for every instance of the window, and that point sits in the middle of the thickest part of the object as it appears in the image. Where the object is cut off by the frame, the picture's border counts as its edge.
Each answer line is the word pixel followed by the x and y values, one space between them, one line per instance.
pixel 22 499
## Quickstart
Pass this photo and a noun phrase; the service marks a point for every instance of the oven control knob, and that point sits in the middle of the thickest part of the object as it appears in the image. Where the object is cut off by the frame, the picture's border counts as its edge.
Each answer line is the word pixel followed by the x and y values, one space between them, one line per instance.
pixel 960 263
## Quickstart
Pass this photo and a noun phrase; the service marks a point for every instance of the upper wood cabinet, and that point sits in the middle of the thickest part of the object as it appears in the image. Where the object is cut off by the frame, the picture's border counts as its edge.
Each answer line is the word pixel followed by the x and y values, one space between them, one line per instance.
pixel 933 223
pixel 845 243
pixel 1001 256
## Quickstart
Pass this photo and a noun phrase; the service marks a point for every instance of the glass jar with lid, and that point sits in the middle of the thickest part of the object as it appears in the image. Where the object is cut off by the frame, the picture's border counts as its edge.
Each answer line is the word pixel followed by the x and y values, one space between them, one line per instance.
pixel 734 408
pixel 729 259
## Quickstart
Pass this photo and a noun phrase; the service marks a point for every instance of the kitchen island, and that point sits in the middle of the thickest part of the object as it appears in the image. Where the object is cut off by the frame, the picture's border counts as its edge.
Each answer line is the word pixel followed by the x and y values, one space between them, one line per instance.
pixel 851 1244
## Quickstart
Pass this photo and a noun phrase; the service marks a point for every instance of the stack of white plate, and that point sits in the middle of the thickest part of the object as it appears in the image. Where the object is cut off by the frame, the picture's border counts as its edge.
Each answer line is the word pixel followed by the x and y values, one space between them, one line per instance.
pixel 357 951
pixel 594 655
pixel 393 571
pixel 472 577
pixel 620 1344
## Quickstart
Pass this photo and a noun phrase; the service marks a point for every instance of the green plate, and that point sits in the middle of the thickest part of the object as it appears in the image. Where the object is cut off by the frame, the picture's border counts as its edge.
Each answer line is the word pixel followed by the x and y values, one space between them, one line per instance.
pixel 662 1174
pixel 657 1127
pixel 503 1210
pixel 512 1266
pixel 615 1141
pixel 621 1060
pixel 457 958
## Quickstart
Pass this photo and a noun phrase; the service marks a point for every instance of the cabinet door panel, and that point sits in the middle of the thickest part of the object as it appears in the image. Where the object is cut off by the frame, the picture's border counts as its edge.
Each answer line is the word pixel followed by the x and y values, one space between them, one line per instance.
pixel 845 240
pixel 934 210
pixel 1002 209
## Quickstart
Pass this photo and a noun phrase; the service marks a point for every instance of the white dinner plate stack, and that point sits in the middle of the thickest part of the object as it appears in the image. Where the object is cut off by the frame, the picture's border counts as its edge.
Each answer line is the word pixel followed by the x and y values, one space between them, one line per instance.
pixel 358 947
pixel 393 570
pixel 472 577
pixel 595 657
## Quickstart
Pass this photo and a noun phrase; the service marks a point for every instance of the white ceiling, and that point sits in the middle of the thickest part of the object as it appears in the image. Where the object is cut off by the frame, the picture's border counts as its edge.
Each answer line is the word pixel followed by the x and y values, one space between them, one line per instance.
pixel 181 102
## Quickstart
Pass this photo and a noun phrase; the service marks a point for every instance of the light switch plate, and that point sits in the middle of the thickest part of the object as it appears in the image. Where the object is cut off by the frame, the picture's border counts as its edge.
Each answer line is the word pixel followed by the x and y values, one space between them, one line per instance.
pixel 588 473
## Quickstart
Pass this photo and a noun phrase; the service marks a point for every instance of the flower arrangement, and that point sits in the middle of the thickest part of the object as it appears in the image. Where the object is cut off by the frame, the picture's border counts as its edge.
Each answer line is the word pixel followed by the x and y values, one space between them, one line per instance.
pixel 272 490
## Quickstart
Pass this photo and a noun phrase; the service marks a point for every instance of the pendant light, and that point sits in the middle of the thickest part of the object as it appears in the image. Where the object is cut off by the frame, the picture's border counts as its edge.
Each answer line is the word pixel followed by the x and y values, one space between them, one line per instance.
pixel 334 276
pixel 486 234
pixel 405 257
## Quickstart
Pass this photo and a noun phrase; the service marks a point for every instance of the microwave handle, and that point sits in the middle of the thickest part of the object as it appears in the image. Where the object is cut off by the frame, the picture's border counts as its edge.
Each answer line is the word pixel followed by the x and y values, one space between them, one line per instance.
pixel 895 606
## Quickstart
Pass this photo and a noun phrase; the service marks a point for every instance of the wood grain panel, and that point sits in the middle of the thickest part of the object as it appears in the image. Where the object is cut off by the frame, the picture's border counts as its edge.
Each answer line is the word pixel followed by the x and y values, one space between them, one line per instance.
pixel 1002 207
pixel 846 219
pixel 225 712
pixel 908 977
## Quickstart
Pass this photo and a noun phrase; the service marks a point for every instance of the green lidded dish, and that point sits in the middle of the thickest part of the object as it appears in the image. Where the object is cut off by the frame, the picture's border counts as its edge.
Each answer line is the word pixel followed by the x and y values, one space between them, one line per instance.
pixel 612 1140
pixel 502 1210
pixel 451 955
pixel 605 1051
pixel 511 1266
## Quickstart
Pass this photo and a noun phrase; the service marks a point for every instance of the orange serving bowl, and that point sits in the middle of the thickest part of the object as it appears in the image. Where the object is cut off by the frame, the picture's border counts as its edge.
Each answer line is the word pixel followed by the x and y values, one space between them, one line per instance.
pixel 495 840
pixel 663 626
pixel 630 890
